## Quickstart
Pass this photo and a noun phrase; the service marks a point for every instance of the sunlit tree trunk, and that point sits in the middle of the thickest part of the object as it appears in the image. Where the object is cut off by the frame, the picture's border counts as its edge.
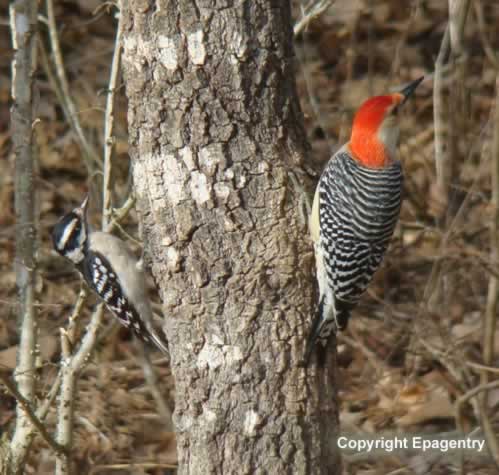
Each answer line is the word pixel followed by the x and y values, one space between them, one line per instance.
pixel 216 138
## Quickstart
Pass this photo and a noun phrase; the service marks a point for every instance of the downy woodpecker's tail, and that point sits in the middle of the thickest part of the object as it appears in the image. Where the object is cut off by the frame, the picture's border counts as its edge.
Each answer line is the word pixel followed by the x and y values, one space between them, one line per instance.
pixel 160 343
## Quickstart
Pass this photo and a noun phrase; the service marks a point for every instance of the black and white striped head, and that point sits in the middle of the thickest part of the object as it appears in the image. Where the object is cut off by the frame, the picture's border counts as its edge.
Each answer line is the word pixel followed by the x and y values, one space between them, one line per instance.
pixel 70 234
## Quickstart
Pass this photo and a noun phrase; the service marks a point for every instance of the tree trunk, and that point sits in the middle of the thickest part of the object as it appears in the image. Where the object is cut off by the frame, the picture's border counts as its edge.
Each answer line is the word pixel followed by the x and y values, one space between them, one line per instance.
pixel 216 133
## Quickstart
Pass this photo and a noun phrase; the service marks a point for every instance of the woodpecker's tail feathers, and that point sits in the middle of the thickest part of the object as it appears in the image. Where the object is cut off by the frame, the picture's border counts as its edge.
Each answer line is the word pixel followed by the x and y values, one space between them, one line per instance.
pixel 160 343
pixel 342 319
pixel 322 328
pixel 342 315
pixel 158 340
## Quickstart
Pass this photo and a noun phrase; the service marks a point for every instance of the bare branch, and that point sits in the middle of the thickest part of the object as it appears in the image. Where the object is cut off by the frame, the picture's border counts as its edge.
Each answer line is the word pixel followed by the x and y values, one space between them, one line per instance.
pixel 489 324
pixel 121 213
pixel 310 13
pixel 487 47
pixel 91 156
pixel 466 397
pixel 26 407
pixel 73 363
pixel 493 292
pixel 73 318
pixel 439 118
pixel 152 381
pixel 23 15
pixel 109 129
pixel 481 367
pixel 458 10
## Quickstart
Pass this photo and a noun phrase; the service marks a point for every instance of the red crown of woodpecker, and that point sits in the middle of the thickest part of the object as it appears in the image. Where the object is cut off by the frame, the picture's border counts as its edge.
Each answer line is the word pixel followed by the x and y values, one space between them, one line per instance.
pixel 365 143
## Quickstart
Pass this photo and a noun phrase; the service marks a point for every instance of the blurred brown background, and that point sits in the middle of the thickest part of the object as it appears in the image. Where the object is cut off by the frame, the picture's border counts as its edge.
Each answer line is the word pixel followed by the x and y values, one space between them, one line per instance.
pixel 412 347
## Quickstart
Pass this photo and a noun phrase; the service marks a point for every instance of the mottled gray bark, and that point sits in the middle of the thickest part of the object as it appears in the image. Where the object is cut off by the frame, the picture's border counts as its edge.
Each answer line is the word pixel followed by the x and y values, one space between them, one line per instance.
pixel 215 132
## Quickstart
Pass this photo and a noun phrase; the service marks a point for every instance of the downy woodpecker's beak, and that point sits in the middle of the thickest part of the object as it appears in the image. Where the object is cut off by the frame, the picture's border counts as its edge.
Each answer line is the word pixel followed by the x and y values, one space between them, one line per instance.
pixel 82 209
pixel 410 88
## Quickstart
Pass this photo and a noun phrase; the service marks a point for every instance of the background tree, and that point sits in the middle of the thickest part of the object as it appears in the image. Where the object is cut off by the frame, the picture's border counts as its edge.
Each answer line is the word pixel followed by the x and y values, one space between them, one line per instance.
pixel 217 144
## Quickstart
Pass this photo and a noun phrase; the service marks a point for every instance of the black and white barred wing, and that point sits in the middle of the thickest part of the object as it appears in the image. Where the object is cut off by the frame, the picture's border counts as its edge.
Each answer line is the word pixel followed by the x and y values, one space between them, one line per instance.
pixel 360 208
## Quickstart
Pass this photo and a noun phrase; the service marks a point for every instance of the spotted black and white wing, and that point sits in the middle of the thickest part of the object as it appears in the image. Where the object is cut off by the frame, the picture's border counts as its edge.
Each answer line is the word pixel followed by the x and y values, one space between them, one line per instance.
pixel 101 277
pixel 110 269
pixel 120 284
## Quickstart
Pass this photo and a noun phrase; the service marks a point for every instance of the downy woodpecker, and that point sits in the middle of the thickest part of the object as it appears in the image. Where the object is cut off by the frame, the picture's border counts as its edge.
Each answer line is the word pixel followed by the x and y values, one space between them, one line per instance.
pixel 110 270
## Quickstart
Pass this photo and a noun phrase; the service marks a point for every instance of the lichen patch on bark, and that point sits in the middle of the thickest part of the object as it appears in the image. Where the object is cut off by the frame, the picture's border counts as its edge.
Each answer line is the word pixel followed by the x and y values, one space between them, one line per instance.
pixel 251 420
pixel 200 188
pixel 167 52
pixel 195 46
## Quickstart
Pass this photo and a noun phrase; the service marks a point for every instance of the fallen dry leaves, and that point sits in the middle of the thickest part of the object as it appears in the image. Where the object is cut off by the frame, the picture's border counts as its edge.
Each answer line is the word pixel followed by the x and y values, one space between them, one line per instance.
pixel 404 362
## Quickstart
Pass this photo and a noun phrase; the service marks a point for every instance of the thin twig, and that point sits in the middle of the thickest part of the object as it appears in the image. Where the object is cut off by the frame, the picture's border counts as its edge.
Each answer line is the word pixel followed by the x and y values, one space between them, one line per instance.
pixel 119 214
pixel 310 13
pixel 488 429
pixel 42 411
pixel 487 47
pixel 91 156
pixel 65 411
pixel 458 11
pixel 439 117
pixel 73 318
pixel 54 85
pixel 467 396
pixel 489 323
pixel 23 15
pixel 109 128
pixel 394 70
pixel 73 363
pixel 152 382
pixel 26 407
pixel 442 160
pixel 92 428
pixel 481 367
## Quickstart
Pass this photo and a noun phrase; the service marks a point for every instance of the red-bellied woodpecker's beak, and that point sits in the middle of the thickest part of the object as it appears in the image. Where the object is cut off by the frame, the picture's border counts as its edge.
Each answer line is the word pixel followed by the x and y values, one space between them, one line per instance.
pixel 410 88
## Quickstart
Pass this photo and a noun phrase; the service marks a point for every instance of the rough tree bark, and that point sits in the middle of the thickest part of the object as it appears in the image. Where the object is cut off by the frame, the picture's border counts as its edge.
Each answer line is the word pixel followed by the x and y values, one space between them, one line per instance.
pixel 215 133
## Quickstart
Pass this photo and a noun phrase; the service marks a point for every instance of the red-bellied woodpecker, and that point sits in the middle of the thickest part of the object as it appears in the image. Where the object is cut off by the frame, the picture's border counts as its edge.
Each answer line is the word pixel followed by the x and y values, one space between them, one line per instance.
pixel 356 207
